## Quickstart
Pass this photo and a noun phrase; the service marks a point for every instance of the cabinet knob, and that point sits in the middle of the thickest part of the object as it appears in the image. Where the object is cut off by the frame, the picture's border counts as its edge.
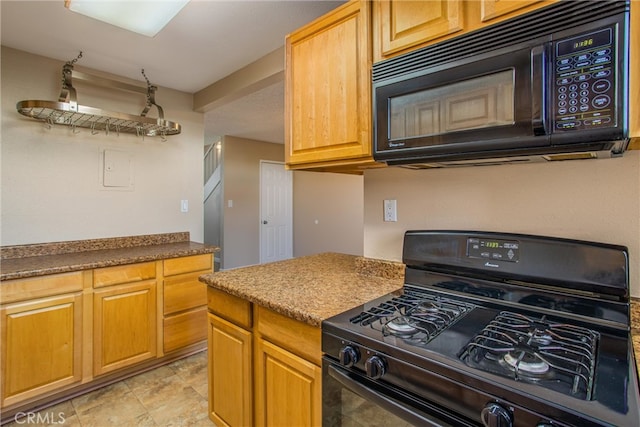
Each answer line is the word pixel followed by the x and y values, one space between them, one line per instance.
pixel 265 222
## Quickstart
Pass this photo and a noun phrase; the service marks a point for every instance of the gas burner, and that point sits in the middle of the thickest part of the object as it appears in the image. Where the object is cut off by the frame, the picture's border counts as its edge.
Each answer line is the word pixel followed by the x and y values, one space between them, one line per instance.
pixel 401 326
pixel 526 363
pixel 416 316
pixel 555 355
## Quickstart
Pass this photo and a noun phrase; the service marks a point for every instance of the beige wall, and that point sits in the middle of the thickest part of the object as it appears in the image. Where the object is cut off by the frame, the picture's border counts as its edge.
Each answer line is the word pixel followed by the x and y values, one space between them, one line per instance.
pixel 51 188
pixel 241 184
pixel 596 200
pixel 327 213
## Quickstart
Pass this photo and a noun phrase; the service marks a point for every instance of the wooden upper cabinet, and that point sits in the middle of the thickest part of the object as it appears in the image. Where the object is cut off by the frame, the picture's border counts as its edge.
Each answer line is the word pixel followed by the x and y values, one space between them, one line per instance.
pixel 328 90
pixel 492 11
pixel 403 24
pixel 400 26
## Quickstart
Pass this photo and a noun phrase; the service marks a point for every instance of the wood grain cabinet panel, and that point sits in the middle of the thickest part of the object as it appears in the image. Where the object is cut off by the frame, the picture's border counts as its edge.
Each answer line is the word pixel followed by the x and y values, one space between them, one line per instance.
pixel 230 374
pixel 184 301
pixel 328 90
pixel 184 292
pixel 288 388
pixel 403 24
pixel 185 329
pixel 492 11
pixel 187 264
pixel 109 276
pixel 400 26
pixel 41 349
pixel 124 325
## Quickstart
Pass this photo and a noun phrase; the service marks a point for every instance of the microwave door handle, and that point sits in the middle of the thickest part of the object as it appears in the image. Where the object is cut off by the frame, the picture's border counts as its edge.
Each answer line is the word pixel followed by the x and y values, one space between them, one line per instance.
pixel 538 77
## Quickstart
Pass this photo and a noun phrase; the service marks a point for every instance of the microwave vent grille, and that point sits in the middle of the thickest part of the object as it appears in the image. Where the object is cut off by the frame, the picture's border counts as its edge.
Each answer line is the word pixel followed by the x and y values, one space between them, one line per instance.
pixel 523 29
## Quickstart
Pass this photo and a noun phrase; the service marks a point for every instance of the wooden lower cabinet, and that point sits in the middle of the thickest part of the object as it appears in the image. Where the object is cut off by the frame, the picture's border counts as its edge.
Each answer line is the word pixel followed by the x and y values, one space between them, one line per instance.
pixel 124 325
pixel 230 373
pixel 264 368
pixel 287 387
pixel 184 301
pixel 41 346
pixel 62 334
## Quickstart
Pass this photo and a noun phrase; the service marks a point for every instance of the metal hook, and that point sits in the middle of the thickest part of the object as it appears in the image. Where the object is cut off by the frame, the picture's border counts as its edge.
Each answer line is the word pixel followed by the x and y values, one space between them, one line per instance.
pixel 106 127
pixel 93 128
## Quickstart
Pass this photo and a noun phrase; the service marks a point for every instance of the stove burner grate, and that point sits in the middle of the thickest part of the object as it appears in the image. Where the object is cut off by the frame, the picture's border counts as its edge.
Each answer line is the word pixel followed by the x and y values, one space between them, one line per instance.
pixel 557 356
pixel 415 316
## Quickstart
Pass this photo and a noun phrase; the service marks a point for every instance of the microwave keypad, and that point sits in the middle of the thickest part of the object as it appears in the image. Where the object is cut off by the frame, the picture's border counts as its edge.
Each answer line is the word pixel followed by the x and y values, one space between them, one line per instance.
pixel 584 82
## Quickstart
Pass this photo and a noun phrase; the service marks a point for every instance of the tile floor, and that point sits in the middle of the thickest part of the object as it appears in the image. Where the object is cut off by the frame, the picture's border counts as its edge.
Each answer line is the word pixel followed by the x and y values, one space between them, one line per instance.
pixel 171 395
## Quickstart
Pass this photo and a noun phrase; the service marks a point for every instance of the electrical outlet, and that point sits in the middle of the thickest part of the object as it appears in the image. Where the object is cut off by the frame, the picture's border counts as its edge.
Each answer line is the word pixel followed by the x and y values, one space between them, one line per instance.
pixel 390 211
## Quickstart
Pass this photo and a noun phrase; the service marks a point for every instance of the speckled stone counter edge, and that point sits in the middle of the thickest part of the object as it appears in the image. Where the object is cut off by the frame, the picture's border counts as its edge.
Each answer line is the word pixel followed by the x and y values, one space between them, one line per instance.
pixel 381 268
pixel 73 246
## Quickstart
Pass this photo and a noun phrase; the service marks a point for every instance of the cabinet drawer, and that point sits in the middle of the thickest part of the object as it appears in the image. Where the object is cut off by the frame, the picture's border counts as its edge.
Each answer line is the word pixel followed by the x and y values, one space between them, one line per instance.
pixel 185 329
pixel 295 336
pixel 109 276
pixel 187 264
pixel 36 287
pixel 229 307
pixel 183 293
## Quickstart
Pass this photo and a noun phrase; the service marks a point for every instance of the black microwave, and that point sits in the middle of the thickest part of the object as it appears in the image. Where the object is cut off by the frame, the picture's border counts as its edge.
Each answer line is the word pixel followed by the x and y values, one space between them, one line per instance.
pixel 549 85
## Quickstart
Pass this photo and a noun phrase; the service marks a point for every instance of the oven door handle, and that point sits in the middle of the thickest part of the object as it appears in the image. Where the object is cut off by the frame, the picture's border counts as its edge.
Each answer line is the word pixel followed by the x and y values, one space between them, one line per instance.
pixel 385 402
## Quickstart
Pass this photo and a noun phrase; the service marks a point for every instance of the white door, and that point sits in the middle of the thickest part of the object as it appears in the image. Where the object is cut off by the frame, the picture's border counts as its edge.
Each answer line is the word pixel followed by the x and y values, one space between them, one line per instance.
pixel 276 218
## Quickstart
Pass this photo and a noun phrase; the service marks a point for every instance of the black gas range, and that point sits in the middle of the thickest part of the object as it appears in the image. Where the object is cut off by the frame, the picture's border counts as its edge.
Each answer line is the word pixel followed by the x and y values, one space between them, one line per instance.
pixel 490 329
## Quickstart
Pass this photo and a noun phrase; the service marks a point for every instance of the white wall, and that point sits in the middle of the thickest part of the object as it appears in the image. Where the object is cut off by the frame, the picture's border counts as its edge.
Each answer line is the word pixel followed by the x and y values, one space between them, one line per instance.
pixel 51 188
pixel 597 200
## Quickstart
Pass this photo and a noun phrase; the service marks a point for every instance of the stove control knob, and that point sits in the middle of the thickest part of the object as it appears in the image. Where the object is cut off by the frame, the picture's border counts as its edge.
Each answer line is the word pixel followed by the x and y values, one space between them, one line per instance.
pixel 348 356
pixel 495 415
pixel 375 367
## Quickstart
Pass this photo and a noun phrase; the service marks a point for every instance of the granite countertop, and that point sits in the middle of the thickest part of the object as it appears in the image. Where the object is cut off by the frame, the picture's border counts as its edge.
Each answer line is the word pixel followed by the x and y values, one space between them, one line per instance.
pixel 24 261
pixel 311 288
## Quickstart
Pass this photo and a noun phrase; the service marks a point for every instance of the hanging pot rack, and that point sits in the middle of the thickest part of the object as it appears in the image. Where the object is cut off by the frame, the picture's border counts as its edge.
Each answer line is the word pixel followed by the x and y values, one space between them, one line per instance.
pixel 66 110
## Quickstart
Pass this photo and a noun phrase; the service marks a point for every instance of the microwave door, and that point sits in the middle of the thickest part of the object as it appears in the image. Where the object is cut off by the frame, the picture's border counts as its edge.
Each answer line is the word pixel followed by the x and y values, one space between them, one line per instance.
pixel 491 104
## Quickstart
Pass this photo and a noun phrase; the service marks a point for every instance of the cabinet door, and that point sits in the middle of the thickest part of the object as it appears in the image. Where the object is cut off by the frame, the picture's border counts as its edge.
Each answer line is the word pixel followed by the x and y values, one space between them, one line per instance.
pixel 230 375
pixel 401 25
pixel 492 11
pixel 41 346
pixel 328 89
pixel 288 388
pixel 124 325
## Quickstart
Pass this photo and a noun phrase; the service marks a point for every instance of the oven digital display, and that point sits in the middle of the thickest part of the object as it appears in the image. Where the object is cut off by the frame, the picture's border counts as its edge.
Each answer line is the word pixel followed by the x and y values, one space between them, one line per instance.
pixel 494 249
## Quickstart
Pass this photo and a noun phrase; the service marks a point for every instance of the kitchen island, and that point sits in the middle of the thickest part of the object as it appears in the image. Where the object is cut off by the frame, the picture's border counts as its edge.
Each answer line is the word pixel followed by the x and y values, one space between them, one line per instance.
pixel 265 338
pixel 264 331
pixel 109 309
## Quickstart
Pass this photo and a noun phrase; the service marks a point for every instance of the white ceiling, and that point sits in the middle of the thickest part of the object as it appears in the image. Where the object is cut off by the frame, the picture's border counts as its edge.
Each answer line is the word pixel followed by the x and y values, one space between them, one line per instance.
pixel 206 41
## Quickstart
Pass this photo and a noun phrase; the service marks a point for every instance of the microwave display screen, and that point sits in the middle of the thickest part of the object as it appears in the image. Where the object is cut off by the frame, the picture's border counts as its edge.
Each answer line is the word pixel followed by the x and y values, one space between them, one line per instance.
pixel 598 39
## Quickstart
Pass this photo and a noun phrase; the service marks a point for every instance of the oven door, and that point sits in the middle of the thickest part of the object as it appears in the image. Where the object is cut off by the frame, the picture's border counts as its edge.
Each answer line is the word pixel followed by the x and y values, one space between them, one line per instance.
pixel 350 398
